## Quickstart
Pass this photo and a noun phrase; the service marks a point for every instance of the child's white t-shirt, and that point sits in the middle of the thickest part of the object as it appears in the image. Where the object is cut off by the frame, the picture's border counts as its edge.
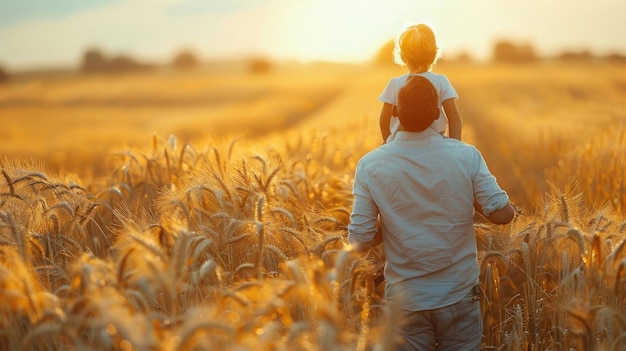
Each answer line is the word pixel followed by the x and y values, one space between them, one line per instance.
pixel 444 88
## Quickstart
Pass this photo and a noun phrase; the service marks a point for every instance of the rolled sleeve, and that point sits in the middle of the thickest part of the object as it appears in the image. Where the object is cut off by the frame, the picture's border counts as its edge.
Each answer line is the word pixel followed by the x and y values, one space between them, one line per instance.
pixel 495 203
pixel 362 228
pixel 486 189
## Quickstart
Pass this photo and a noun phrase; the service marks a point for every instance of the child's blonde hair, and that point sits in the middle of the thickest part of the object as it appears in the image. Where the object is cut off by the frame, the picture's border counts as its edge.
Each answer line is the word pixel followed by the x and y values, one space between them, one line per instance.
pixel 416 47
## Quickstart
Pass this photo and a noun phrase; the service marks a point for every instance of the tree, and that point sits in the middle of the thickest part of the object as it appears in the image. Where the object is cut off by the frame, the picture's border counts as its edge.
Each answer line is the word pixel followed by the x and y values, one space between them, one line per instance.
pixel 616 57
pixel 384 56
pixel 464 57
pixel 584 55
pixel 122 64
pixel 93 61
pixel 185 60
pixel 4 75
pixel 505 51
pixel 259 66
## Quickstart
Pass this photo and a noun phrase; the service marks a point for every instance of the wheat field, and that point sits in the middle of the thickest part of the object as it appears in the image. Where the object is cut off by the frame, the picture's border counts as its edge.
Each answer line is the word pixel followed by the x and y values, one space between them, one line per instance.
pixel 207 210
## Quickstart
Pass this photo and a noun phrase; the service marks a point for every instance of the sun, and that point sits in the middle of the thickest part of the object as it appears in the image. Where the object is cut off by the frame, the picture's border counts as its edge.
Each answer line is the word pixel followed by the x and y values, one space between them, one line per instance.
pixel 345 30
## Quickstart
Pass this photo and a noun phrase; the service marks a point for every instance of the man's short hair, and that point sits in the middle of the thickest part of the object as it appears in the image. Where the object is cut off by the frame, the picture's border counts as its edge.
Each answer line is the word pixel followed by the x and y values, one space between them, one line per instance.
pixel 418 104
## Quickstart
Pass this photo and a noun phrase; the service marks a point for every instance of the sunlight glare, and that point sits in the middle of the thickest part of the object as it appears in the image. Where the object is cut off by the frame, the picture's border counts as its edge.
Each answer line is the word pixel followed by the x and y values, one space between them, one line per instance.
pixel 348 30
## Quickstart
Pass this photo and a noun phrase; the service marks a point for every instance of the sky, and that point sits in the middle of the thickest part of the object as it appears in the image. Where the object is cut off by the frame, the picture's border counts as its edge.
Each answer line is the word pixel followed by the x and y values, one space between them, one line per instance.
pixel 54 33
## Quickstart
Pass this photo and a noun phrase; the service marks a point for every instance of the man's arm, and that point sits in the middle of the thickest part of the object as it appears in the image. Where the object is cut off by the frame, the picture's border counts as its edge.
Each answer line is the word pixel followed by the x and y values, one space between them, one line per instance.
pixel 489 199
pixel 378 239
pixel 501 216
pixel 364 227
pixel 364 241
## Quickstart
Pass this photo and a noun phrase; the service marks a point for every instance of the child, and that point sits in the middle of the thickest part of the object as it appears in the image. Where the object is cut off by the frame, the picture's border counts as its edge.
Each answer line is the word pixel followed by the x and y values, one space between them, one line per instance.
pixel 417 49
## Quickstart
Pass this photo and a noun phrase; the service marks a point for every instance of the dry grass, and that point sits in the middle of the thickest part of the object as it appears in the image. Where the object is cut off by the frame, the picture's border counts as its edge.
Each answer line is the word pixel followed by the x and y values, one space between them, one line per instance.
pixel 238 242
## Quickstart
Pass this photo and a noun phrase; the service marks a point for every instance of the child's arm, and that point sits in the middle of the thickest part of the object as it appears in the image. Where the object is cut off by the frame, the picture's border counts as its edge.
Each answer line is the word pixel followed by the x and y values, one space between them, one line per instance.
pixel 384 120
pixel 455 121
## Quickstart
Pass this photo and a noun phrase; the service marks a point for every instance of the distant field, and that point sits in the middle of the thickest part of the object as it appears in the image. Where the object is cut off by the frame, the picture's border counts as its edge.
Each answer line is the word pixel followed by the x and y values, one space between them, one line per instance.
pixel 82 117
pixel 527 120
pixel 208 210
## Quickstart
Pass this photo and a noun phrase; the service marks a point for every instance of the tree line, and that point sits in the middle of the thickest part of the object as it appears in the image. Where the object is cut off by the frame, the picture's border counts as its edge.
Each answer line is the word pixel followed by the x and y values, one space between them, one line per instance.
pixel 96 61
pixel 505 51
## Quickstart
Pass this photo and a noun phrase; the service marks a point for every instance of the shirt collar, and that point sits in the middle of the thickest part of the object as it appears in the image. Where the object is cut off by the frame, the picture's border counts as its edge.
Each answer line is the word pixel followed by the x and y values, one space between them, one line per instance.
pixel 406 135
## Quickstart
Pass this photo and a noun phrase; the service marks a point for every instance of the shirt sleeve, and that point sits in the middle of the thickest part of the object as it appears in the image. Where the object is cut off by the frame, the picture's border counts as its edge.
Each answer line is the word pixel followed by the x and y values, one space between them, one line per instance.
pixel 362 228
pixel 486 189
pixel 390 93
pixel 447 90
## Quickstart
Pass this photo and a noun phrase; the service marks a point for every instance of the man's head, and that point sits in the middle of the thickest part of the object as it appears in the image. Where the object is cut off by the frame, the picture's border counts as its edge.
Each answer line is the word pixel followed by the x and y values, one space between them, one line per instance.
pixel 418 104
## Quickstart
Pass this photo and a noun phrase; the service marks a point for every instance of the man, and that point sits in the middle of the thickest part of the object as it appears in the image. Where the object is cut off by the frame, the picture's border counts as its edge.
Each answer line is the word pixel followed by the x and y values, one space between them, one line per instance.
pixel 424 187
